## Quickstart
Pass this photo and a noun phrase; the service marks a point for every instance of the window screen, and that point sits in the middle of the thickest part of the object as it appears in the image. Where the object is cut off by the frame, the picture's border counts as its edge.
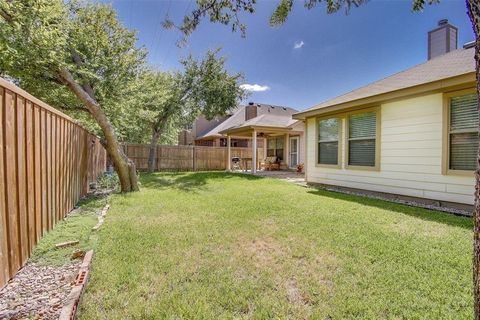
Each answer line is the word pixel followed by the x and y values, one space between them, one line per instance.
pixel 463 132
pixel 328 136
pixel 362 131
pixel 275 147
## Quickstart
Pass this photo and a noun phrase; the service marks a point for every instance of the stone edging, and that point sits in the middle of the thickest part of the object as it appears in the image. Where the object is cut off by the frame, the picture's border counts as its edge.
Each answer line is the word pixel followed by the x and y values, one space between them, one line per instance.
pixel 101 217
pixel 70 308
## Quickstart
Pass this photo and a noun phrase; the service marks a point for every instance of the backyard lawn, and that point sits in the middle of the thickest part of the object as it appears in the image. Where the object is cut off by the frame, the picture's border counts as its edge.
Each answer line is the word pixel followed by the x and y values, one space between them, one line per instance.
pixel 224 246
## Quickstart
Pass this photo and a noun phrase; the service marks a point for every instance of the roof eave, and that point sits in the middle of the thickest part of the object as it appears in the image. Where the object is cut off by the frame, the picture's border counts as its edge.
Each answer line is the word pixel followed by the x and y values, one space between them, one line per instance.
pixel 435 86
pixel 210 136
pixel 246 128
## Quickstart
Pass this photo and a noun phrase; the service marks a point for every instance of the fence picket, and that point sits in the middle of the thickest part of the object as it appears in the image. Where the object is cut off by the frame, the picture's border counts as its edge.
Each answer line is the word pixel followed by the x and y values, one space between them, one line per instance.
pixel 4 257
pixel 30 175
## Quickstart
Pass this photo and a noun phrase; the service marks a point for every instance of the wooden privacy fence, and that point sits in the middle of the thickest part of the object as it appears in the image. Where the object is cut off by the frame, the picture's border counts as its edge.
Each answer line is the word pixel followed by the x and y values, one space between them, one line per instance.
pixel 46 164
pixel 186 158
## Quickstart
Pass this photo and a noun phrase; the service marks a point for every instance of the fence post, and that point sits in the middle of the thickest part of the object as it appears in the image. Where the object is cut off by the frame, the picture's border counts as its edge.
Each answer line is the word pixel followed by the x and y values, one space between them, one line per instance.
pixel 193 158
pixel 157 158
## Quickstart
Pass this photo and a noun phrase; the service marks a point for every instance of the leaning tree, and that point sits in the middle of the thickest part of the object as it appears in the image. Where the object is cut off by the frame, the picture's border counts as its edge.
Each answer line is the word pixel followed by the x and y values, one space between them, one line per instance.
pixel 76 55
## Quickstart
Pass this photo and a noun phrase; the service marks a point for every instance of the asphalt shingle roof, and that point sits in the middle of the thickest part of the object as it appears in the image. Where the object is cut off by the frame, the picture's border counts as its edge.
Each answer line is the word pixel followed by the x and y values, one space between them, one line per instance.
pixel 452 64
pixel 267 115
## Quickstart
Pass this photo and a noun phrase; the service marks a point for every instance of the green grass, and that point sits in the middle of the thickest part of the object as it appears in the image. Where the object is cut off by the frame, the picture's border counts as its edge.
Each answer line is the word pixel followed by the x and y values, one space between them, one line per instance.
pixel 227 246
pixel 76 226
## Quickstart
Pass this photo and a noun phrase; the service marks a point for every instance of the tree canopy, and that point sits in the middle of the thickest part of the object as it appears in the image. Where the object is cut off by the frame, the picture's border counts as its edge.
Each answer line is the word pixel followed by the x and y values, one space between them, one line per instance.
pixel 76 55
pixel 228 12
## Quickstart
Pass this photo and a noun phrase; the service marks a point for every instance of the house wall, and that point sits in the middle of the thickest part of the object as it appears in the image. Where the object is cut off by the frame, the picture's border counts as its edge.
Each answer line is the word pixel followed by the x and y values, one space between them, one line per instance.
pixel 199 127
pixel 185 137
pixel 202 125
pixel 410 155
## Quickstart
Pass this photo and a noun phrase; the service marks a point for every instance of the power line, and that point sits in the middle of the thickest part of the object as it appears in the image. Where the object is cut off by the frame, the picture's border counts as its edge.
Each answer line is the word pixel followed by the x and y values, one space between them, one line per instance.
pixel 170 48
pixel 156 44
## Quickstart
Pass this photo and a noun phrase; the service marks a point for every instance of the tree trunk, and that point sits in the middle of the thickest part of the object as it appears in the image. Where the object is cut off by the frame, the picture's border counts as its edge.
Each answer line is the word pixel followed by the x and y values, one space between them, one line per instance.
pixel 473 7
pixel 152 154
pixel 157 131
pixel 125 167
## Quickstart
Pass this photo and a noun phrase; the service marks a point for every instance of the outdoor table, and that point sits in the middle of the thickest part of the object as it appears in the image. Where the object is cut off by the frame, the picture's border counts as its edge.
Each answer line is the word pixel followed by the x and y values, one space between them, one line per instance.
pixel 244 162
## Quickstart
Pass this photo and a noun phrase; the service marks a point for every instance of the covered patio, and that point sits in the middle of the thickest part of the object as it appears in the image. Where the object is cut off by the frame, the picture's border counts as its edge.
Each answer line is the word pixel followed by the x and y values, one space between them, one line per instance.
pixel 280 140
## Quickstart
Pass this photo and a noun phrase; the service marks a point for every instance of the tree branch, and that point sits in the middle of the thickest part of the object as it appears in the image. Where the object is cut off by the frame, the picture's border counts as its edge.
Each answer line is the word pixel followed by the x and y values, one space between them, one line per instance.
pixel 6 16
pixel 87 87
pixel 74 108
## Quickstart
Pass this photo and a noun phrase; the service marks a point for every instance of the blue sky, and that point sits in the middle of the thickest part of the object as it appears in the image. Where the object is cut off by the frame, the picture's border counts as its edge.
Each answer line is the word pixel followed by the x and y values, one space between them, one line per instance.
pixel 312 57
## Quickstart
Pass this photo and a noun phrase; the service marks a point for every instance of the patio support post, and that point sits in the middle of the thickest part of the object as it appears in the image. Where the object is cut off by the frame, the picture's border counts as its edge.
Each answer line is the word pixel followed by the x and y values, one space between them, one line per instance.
pixel 254 151
pixel 229 154
pixel 287 150
pixel 264 149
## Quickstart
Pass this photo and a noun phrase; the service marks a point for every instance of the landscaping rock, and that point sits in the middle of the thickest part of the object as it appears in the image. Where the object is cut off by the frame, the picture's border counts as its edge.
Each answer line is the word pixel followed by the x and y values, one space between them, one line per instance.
pixel 37 292
pixel 78 254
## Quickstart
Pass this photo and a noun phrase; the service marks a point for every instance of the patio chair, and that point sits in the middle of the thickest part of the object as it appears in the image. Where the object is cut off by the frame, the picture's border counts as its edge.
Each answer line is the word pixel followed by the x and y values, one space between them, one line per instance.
pixel 270 163
pixel 236 163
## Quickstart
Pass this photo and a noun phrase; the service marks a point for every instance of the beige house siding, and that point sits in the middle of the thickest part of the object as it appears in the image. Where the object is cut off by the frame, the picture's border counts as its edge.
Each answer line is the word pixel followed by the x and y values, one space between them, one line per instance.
pixel 410 155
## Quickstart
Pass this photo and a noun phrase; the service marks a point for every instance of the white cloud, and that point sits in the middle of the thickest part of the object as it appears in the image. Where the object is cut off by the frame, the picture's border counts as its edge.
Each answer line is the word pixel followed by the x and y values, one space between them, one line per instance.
pixel 298 44
pixel 254 87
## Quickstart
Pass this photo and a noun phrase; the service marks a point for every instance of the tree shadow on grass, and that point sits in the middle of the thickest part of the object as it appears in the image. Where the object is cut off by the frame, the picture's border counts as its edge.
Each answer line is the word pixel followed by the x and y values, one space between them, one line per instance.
pixel 188 181
pixel 420 213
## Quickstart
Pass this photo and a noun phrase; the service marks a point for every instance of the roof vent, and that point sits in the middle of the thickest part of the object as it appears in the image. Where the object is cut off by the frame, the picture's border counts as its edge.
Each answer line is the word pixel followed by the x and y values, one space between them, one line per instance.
pixel 469 45
pixel 442 22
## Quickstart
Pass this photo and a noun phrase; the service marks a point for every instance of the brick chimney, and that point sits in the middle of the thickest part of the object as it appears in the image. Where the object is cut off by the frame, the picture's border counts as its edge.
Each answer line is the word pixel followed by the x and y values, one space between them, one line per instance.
pixel 442 39
pixel 250 111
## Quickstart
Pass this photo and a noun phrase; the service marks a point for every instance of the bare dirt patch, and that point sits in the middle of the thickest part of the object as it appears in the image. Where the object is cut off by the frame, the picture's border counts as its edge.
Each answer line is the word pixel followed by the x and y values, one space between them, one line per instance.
pixel 294 295
pixel 265 251
pixel 304 277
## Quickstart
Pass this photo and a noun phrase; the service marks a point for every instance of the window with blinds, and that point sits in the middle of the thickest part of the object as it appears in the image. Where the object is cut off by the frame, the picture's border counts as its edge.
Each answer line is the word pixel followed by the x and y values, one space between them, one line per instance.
pixel 328 137
pixel 463 132
pixel 270 147
pixel 362 133
pixel 275 147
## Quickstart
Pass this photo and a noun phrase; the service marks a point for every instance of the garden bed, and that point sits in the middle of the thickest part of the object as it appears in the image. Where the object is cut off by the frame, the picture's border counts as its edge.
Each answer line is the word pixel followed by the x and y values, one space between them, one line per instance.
pixel 41 288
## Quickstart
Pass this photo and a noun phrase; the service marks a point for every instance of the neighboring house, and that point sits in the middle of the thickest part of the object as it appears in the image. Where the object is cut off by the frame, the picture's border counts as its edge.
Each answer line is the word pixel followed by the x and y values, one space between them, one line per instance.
pixel 199 127
pixel 278 133
pixel 411 134
pixel 274 128
pixel 196 133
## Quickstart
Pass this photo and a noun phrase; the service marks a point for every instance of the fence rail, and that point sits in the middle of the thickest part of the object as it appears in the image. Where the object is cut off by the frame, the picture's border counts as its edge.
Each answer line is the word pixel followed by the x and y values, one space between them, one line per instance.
pixel 186 158
pixel 46 164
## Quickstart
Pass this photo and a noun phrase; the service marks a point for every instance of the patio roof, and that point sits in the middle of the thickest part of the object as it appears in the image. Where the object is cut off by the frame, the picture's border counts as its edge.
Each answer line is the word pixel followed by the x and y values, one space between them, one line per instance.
pixel 268 115
pixel 265 123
